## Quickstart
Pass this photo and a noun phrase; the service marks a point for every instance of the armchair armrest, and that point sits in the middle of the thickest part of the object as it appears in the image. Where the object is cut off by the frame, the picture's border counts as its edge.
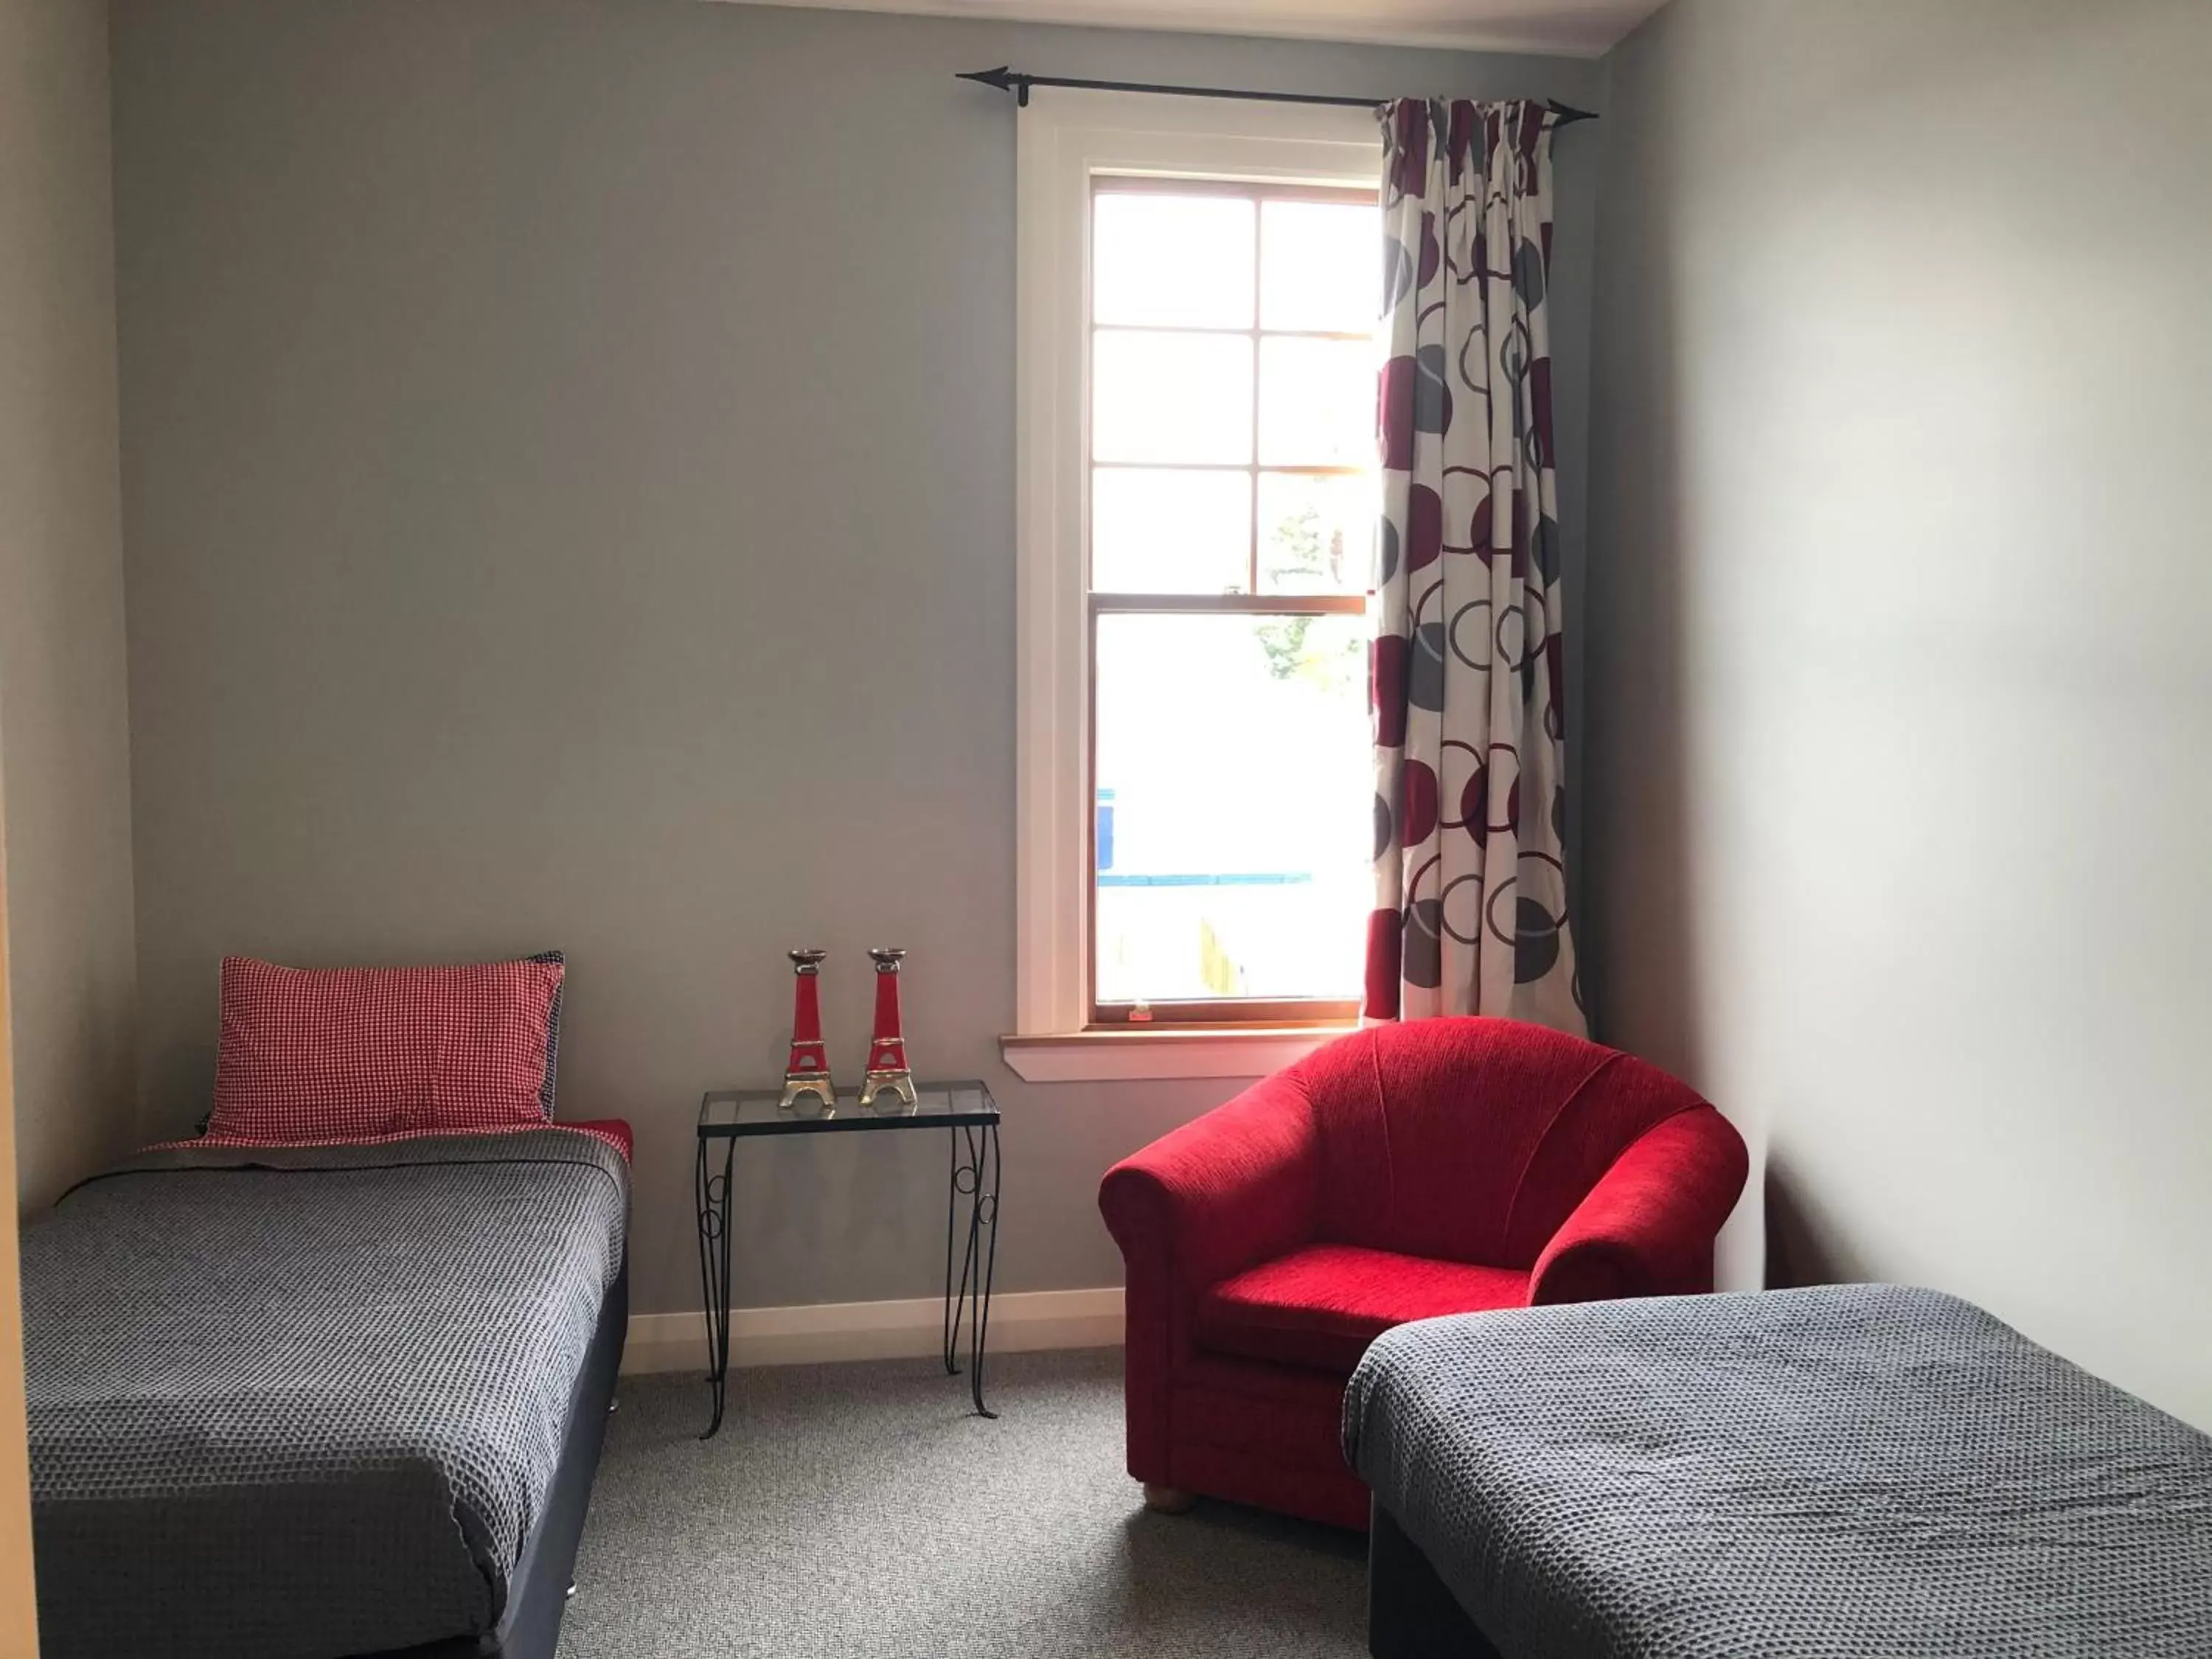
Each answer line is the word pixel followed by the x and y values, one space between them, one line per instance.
pixel 1224 1191
pixel 1647 1227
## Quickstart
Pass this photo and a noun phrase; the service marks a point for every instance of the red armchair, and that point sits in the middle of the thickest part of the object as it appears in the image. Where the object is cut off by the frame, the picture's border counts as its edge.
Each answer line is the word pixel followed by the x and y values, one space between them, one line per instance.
pixel 1434 1167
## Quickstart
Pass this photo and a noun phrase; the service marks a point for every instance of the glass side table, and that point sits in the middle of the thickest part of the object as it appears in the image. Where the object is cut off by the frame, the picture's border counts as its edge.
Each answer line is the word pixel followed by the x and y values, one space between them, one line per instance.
pixel 970 1115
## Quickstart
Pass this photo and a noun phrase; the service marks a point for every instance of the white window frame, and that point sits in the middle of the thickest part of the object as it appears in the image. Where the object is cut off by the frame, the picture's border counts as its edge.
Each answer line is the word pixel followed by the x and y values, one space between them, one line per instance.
pixel 1067 138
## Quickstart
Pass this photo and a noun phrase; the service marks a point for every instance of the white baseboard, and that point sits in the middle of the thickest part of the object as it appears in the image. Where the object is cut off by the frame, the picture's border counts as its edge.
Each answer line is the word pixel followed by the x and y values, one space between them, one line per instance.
pixel 1020 1322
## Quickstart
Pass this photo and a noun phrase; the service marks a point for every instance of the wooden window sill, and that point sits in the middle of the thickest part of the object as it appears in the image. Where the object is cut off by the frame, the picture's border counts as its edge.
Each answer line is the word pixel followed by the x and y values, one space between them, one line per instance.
pixel 1163 1051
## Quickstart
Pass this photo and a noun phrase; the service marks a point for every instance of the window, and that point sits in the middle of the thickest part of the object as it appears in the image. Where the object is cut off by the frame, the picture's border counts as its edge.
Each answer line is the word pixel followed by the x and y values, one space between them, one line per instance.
pixel 1199 296
pixel 1233 506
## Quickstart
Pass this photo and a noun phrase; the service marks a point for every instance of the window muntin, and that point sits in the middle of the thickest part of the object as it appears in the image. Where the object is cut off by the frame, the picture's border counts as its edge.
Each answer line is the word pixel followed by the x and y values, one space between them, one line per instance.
pixel 1233 500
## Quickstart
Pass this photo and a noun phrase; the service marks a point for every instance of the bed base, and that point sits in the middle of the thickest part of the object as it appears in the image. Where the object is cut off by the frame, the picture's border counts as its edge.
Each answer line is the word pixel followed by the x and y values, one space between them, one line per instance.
pixel 538 1589
pixel 1410 1613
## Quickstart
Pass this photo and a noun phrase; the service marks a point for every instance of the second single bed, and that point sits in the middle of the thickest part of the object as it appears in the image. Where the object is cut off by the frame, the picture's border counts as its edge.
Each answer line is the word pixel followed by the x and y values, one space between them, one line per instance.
pixel 1846 1472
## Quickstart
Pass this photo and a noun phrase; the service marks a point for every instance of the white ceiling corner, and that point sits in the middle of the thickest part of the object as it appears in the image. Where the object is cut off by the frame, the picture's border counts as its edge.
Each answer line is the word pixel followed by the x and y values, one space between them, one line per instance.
pixel 1570 28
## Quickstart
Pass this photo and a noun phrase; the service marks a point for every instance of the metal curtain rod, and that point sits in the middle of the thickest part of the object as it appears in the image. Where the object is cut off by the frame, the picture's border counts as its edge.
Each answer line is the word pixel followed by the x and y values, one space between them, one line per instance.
pixel 1006 80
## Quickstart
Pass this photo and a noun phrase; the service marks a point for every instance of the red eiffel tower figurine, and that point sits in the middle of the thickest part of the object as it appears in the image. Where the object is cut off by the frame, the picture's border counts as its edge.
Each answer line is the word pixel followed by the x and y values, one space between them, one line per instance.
pixel 806 1072
pixel 887 1067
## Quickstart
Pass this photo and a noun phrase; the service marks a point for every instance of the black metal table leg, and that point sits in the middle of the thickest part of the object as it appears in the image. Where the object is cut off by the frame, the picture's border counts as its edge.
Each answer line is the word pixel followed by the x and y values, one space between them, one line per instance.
pixel 986 1214
pixel 952 1190
pixel 976 1176
pixel 713 1192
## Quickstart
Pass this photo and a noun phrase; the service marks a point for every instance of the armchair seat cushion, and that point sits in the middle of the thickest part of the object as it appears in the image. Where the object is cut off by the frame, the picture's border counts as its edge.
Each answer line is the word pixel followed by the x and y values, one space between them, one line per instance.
pixel 1322 1304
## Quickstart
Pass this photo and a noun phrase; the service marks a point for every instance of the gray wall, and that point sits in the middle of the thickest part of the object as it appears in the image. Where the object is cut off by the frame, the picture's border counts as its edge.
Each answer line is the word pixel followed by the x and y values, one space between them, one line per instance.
pixel 568 458
pixel 65 741
pixel 1901 693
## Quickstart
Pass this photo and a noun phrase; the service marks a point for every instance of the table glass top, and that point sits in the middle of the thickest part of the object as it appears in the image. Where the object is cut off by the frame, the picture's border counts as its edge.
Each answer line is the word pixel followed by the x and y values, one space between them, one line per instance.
pixel 761 1111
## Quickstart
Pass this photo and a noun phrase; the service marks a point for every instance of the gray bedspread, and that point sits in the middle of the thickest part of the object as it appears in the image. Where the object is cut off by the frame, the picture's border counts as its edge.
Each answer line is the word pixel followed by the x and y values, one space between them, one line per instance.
pixel 1853 1471
pixel 297 1403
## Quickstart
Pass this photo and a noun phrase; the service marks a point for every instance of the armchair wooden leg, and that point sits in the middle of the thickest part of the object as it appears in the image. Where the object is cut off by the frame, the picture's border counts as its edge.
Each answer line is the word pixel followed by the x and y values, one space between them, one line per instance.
pixel 1167 1500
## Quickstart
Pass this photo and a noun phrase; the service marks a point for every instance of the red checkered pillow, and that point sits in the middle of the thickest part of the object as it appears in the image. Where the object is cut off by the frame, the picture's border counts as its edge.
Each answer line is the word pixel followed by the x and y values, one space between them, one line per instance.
pixel 349 1053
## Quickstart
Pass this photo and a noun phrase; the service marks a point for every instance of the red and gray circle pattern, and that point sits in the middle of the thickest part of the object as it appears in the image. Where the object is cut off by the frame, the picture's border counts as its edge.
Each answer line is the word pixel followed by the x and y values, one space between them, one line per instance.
pixel 1471 914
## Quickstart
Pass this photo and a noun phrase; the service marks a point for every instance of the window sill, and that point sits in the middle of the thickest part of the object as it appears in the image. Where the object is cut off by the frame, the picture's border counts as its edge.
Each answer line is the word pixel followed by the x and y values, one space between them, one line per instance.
pixel 1113 1056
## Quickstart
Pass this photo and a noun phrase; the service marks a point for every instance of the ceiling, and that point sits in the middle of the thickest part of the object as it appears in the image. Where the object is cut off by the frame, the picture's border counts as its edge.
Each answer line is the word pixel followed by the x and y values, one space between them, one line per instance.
pixel 1573 28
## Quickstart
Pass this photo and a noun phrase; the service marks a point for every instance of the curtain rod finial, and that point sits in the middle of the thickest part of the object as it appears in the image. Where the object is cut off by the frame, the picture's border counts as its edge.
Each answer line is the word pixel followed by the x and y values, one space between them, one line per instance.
pixel 1004 79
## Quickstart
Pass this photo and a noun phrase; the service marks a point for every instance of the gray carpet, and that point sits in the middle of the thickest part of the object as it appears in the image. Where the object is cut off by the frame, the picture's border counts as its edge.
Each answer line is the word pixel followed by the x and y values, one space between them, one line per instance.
pixel 857 1510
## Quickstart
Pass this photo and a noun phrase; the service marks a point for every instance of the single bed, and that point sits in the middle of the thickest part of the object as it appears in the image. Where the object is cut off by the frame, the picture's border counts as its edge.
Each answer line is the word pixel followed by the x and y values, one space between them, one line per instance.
pixel 323 1402
pixel 1830 1473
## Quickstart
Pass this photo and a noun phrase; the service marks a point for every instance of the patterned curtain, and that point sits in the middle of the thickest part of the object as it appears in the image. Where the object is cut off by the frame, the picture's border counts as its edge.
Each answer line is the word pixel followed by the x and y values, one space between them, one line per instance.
pixel 1470 880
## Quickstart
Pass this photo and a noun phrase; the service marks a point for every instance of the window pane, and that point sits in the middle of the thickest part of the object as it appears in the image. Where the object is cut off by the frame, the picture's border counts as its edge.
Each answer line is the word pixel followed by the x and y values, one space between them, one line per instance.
pixel 1234 806
pixel 1184 397
pixel 1173 261
pixel 1170 532
pixel 1320 267
pixel 1317 533
pixel 1316 403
